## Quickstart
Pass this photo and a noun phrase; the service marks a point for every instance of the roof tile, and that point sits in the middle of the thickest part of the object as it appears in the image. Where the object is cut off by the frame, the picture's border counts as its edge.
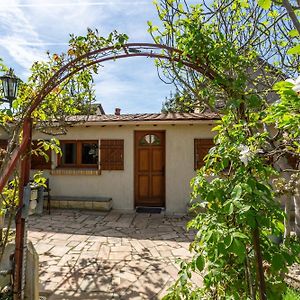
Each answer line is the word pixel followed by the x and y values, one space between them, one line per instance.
pixel 160 117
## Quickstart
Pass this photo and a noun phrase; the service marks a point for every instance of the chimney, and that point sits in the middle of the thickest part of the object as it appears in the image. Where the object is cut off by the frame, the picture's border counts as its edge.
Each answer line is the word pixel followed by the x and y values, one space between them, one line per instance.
pixel 99 110
pixel 117 111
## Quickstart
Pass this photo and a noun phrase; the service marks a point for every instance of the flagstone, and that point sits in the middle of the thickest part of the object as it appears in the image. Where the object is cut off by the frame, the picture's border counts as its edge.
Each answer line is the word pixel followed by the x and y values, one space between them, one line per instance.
pixel 120 255
pixel 59 250
pixel 43 248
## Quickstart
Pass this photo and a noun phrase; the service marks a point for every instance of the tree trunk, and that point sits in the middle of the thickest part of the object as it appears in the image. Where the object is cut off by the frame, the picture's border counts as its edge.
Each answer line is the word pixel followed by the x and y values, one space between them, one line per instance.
pixel 287 220
pixel 283 164
pixel 296 199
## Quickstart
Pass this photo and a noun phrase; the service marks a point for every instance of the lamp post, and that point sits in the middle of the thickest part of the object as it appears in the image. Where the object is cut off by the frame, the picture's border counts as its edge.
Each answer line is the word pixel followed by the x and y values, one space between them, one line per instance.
pixel 10 83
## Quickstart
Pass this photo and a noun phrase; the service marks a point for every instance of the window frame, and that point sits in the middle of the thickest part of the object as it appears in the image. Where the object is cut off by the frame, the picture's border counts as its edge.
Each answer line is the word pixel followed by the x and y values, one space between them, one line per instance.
pixel 77 164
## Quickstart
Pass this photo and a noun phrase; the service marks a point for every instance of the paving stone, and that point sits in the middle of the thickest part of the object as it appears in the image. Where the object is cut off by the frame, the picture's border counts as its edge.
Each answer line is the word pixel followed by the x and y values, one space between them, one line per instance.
pixel 59 242
pixel 120 255
pixel 78 237
pixel 104 252
pixel 181 252
pixel 121 249
pixel 60 236
pixel 72 243
pixel 59 250
pixel 43 248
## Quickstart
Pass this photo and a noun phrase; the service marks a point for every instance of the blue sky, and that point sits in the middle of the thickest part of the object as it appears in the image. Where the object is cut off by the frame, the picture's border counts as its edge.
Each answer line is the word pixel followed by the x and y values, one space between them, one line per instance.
pixel 31 27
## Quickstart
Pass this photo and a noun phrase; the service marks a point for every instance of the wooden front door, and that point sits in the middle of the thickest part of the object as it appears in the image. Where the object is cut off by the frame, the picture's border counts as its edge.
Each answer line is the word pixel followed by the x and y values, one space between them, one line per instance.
pixel 149 168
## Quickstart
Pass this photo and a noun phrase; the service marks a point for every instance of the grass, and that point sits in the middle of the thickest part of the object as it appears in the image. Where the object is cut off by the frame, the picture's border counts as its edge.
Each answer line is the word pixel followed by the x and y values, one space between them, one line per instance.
pixel 292 295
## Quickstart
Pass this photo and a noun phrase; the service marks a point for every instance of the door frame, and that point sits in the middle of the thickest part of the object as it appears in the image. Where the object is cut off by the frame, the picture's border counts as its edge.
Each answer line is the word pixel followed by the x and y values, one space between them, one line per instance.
pixel 135 188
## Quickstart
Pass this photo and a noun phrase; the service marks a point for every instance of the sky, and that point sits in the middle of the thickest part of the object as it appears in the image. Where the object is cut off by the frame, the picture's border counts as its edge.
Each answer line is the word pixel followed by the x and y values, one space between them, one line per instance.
pixel 28 28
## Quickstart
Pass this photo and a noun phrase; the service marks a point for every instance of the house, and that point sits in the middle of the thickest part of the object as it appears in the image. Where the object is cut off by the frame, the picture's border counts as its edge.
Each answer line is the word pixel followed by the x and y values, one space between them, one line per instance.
pixel 133 159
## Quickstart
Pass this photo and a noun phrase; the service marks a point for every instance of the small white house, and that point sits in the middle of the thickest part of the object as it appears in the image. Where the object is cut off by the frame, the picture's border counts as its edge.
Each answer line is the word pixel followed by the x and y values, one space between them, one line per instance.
pixel 134 159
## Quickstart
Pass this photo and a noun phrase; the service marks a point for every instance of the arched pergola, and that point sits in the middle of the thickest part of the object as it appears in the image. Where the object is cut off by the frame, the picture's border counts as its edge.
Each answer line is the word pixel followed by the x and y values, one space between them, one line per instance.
pixel 66 71
pixel 72 67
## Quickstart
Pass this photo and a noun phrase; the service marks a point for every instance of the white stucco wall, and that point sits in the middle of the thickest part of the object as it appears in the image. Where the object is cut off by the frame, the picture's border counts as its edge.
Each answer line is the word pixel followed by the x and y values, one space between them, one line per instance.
pixel 120 184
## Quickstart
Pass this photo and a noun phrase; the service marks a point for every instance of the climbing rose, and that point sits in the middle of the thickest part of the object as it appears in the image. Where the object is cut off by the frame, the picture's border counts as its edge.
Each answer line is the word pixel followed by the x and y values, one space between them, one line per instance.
pixel 245 154
pixel 296 83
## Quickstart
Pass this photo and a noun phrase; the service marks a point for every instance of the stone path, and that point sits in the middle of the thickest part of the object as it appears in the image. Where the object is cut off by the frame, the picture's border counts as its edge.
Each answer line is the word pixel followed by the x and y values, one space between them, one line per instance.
pixel 94 255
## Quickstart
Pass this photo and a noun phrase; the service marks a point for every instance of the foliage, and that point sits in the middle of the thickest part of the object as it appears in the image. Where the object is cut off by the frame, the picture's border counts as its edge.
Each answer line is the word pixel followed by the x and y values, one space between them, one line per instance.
pixel 239 223
pixel 64 83
pixel 178 103
pixel 291 295
pixel 262 36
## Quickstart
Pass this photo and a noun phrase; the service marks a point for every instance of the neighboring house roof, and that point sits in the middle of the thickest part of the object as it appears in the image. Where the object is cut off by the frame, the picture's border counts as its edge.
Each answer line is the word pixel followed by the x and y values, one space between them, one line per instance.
pixel 146 117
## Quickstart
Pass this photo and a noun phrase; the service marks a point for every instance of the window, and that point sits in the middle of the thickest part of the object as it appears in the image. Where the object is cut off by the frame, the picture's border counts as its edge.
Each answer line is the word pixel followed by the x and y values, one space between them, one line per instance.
pixel 201 148
pixel 150 139
pixel 112 154
pixel 79 154
pixel 39 162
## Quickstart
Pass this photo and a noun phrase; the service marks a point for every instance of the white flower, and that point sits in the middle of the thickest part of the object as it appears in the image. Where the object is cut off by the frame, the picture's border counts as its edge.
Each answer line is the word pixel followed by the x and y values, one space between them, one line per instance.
pixel 245 154
pixel 296 83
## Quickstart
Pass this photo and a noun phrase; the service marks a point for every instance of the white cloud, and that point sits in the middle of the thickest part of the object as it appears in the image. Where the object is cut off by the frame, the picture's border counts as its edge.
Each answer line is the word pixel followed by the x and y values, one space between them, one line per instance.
pixel 18 29
pixel 30 27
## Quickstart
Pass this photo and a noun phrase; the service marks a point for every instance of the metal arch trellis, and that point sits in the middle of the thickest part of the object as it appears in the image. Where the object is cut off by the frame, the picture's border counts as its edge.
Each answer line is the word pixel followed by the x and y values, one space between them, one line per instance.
pixel 114 53
pixel 87 60
pixel 72 67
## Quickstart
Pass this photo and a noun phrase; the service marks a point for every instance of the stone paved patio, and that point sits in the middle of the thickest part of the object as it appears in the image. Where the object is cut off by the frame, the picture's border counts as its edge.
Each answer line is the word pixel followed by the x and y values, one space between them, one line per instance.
pixel 94 255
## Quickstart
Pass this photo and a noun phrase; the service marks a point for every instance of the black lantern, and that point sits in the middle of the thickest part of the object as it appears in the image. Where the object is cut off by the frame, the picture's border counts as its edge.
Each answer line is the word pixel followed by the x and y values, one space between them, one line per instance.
pixel 10 84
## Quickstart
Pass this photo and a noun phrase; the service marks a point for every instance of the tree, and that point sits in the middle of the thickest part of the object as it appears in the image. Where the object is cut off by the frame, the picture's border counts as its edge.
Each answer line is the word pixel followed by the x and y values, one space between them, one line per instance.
pixel 179 103
pixel 63 95
pixel 242 48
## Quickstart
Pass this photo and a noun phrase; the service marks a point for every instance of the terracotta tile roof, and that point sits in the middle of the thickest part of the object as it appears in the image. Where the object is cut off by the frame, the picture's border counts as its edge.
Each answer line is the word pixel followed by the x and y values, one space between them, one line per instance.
pixel 159 117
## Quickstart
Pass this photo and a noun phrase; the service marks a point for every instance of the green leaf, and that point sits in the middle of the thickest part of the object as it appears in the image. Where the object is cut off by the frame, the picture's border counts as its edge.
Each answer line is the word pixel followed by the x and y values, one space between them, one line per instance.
pixel 228 241
pixel 277 262
pixel 200 262
pixel 265 4
pixel 240 235
pixel 294 50
pixel 294 33
pixel 238 248
pixel 237 192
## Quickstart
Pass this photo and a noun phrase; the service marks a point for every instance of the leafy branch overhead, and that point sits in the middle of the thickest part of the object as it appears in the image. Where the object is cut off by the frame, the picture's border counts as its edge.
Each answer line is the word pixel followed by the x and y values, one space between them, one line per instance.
pixel 247 49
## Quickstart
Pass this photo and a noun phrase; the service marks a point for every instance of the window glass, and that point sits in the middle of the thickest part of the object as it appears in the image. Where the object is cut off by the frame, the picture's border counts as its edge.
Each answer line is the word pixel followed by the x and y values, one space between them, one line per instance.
pixel 89 153
pixel 150 139
pixel 69 153
pixel 155 140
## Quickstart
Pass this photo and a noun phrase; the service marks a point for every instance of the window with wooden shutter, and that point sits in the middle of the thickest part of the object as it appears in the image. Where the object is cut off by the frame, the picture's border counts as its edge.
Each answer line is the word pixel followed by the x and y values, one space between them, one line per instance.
pixel 112 154
pixel 201 148
pixel 39 162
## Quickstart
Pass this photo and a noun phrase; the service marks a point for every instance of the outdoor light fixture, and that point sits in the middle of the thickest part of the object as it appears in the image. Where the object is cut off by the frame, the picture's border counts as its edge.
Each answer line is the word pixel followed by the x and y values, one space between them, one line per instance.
pixel 10 84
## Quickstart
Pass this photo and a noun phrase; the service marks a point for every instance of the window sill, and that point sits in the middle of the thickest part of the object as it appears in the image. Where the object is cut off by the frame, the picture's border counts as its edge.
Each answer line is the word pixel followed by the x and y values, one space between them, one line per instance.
pixel 75 172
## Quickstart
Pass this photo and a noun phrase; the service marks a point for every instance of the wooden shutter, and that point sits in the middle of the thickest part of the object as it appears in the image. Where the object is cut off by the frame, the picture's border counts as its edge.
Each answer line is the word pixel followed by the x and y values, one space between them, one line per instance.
pixel 39 162
pixel 201 148
pixel 112 154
